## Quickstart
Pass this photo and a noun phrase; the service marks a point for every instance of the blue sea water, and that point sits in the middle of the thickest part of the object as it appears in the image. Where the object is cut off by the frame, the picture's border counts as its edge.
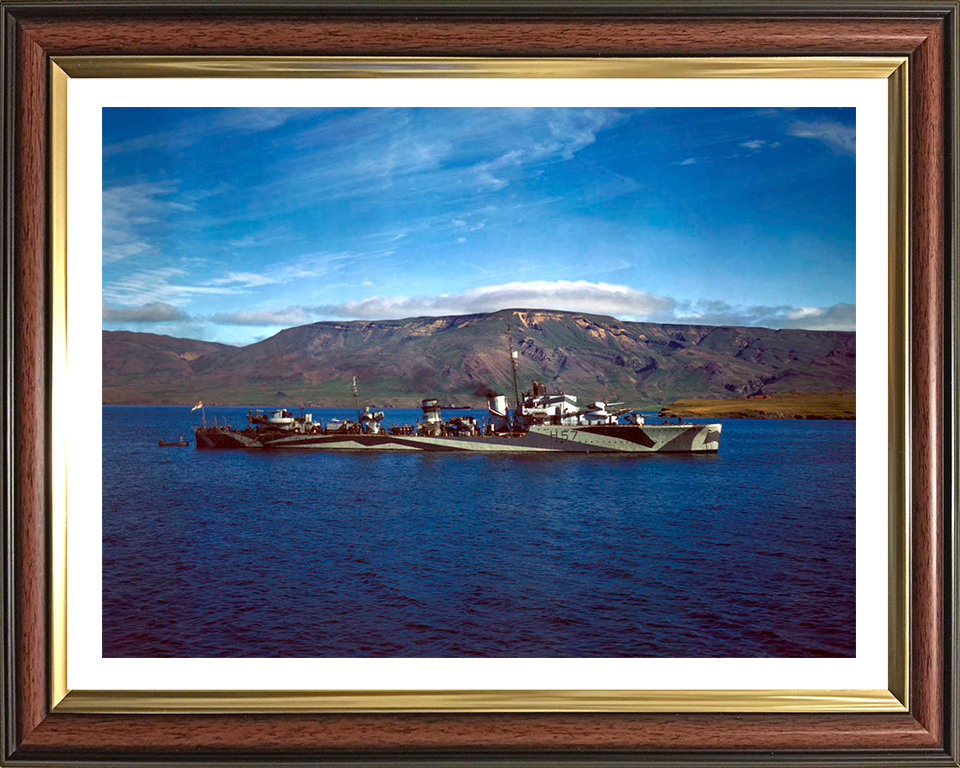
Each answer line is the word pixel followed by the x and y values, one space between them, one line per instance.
pixel 747 553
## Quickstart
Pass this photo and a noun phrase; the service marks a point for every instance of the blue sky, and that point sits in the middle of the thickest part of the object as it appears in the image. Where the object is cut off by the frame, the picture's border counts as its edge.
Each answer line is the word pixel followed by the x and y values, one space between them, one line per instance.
pixel 231 224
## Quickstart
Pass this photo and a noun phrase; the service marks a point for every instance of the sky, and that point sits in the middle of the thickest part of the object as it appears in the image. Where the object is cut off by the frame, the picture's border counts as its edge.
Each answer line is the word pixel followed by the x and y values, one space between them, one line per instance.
pixel 231 224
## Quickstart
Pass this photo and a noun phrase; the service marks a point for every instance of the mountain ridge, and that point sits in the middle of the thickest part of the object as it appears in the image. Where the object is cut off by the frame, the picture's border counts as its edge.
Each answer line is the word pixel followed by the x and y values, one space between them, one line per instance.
pixel 461 357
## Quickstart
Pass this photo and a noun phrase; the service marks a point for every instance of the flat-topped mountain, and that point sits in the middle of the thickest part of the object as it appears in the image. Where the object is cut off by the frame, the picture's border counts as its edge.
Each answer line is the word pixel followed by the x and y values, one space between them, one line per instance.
pixel 460 358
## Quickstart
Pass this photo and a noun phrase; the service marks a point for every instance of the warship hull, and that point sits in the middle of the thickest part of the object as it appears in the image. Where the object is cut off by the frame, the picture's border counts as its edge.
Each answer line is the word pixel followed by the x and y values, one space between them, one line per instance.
pixel 604 438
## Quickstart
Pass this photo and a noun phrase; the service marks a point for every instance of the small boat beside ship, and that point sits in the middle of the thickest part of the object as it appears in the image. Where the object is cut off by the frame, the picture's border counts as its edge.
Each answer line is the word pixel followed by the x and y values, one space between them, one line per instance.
pixel 542 423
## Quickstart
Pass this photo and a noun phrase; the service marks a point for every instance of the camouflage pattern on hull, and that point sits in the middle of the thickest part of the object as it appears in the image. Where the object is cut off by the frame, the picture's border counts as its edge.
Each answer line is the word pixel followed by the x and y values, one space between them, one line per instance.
pixel 608 438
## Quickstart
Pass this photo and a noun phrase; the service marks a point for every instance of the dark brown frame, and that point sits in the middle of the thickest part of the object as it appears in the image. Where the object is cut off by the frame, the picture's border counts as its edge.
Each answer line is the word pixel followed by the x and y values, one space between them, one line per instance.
pixel 926 32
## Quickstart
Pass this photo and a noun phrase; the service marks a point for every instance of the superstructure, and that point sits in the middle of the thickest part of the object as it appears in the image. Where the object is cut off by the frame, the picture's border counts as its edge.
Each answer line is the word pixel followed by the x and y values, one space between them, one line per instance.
pixel 543 422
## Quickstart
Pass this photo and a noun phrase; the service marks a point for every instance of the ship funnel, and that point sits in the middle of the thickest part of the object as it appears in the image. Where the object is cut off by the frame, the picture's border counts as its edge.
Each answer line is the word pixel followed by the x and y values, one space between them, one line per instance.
pixel 431 411
pixel 497 405
pixel 432 422
pixel 497 408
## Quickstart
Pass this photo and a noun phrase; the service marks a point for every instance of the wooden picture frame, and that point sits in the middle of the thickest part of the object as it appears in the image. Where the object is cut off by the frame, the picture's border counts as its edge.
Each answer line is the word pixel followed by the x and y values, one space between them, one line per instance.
pixel 37 731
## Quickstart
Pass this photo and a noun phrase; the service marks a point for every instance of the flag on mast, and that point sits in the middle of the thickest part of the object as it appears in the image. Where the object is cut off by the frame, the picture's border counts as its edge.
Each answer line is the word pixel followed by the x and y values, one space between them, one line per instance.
pixel 198 405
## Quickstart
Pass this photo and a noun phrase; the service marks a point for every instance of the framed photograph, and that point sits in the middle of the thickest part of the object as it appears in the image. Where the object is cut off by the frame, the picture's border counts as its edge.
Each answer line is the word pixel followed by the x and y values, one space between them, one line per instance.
pixel 423 384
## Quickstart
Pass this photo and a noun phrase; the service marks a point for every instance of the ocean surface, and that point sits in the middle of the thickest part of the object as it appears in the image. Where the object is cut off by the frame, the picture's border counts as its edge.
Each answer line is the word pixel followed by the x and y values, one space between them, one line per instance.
pixel 747 553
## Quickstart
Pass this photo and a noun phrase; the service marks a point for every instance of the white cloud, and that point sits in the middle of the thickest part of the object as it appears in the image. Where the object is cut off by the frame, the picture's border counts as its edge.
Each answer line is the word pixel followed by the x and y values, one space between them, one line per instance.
pixel 797 313
pixel 245 279
pixel 178 285
pixel 837 317
pixel 576 296
pixel 163 284
pixel 490 149
pixel 134 214
pixel 247 241
pixel 116 251
pixel 466 226
pixel 609 187
pixel 290 316
pixel 838 136
pixel 155 312
pixel 126 211
pixel 241 121
pixel 760 144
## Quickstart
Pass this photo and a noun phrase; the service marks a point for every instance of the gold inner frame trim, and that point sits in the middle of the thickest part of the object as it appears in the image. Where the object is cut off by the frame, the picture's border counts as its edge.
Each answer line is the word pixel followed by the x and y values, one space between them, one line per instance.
pixel 893 69
pixel 227 702
pixel 437 67
pixel 58 395
pixel 898 384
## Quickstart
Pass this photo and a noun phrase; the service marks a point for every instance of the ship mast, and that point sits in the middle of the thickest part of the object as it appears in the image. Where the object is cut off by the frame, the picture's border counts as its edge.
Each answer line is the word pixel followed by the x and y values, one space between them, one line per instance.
pixel 513 366
pixel 356 396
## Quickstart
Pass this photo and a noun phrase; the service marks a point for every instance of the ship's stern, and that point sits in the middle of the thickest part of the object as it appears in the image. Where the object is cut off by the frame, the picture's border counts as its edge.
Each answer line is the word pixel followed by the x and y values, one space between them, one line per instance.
pixel 223 438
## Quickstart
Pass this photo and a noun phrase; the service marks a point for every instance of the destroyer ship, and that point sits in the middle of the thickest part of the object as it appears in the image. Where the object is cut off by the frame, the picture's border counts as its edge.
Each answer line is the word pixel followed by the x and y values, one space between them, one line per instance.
pixel 542 422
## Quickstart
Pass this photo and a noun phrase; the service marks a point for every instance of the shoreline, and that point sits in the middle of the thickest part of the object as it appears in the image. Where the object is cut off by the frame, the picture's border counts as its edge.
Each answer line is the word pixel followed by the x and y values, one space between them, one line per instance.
pixel 824 406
